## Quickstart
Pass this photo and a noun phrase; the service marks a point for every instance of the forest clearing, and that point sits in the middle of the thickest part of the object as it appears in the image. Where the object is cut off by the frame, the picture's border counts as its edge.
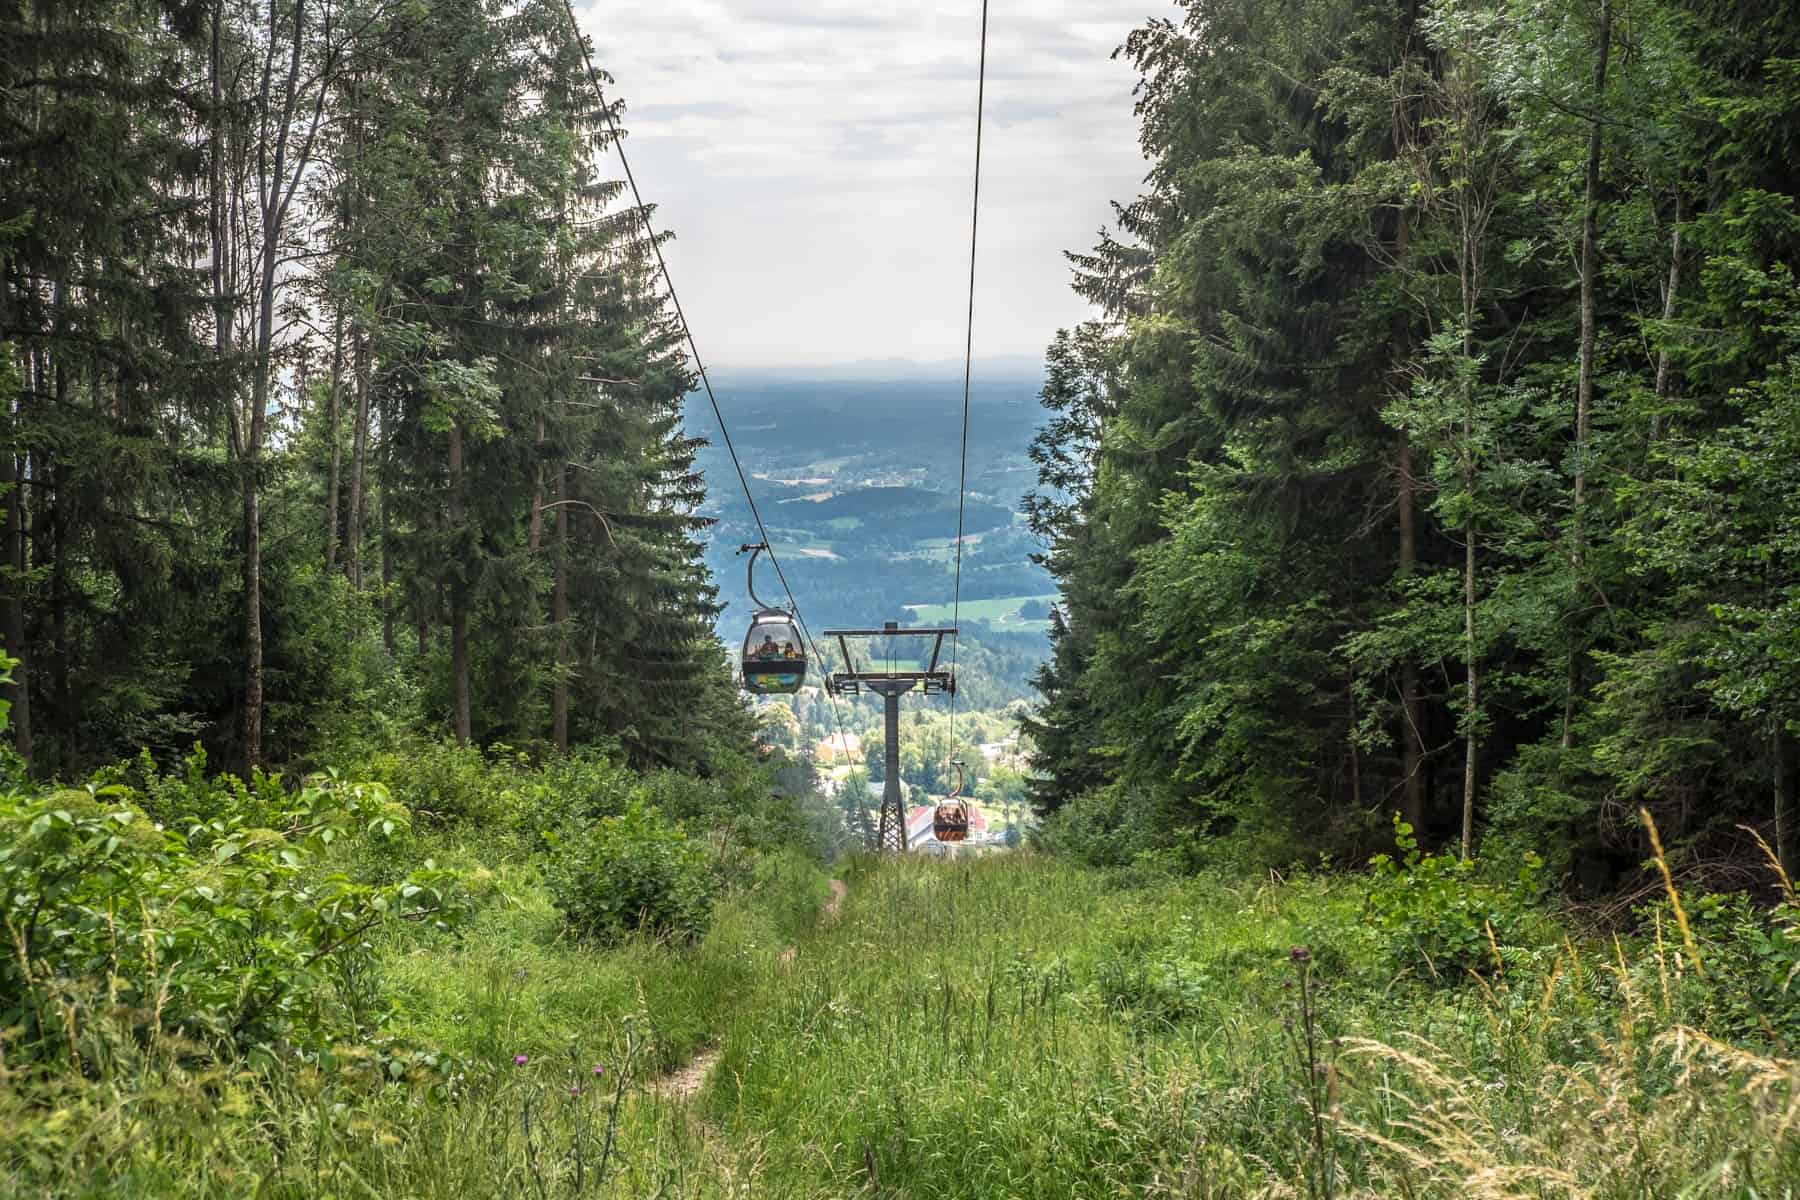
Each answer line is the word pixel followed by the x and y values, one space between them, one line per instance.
pixel 1008 1026
pixel 1344 742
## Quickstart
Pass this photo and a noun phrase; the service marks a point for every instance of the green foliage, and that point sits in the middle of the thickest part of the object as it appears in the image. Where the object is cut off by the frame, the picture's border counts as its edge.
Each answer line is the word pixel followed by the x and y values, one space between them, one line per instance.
pixel 633 871
pixel 1108 827
pixel 1752 959
pixel 233 931
pixel 1442 918
pixel 1411 469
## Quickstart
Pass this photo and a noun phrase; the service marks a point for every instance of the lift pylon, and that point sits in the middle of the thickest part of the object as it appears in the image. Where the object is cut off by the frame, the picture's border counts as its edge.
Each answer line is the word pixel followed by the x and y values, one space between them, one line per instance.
pixel 890 686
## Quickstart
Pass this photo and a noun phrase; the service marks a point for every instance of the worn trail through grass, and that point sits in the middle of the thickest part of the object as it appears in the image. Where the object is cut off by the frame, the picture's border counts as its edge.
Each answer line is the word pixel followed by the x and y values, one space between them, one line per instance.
pixel 682 1083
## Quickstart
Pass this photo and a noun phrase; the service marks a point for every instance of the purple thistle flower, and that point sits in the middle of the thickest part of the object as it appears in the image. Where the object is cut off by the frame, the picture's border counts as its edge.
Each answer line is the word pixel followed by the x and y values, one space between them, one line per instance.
pixel 575 1090
pixel 599 1070
pixel 520 1060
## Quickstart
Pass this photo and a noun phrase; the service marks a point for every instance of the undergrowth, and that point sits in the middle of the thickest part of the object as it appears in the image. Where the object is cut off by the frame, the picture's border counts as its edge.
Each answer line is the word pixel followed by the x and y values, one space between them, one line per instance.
pixel 1017 1026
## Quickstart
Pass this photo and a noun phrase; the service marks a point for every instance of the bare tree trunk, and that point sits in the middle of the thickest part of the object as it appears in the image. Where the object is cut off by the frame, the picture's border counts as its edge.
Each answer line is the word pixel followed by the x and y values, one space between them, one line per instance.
pixel 1584 377
pixel 359 444
pixel 1472 695
pixel 535 523
pixel 459 613
pixel 252 484
pixel 332 406
pixel 1412 736
pixel 1664 376
pixel 59 609
pixel 19 692
pixel 1471 745
pixel 559 615
pixel 387 557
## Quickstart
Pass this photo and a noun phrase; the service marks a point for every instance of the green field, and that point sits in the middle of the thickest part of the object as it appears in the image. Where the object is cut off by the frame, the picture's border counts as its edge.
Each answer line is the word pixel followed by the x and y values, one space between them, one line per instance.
pixel 1001 612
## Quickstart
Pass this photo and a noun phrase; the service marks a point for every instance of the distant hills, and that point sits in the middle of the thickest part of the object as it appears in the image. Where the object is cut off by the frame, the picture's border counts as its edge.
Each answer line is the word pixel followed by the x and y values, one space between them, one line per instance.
pixel 855 473
pixel 1008 367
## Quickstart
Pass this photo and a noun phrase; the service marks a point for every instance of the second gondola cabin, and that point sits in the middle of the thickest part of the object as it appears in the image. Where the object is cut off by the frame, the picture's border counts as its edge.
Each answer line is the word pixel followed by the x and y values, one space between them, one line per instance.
pixel 774 654
pixel 950 821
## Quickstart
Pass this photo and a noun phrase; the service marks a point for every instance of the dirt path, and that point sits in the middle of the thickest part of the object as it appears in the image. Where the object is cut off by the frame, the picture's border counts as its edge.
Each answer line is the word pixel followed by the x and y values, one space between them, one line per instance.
pixel 838 892
pixel 685 1081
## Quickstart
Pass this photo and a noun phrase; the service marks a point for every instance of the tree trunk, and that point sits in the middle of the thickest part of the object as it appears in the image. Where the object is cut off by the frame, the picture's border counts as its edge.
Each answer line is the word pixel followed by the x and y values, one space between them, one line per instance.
pixel 19 691
pixel 359 443
pixel 1584 377
pixel 1664 377
pixel 59 614
pixel 559 615
pixel 387 555
pixel 332 407
pixel 1472 696
pixel 459 613
pixel 535 523
pixel 1783 779
pixel 1412 735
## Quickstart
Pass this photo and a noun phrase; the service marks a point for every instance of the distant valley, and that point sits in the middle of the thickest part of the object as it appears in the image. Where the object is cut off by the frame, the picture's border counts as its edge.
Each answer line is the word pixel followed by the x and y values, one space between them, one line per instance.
pixel 856 481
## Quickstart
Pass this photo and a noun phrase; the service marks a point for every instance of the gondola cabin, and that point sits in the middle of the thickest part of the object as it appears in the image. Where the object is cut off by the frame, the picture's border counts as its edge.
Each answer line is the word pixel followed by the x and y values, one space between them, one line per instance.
pixel 950 821
pixel 774 654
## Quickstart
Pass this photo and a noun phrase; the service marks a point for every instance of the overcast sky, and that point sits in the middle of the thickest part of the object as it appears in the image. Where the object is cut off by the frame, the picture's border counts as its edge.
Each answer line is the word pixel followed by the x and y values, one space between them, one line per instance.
pixel 813 159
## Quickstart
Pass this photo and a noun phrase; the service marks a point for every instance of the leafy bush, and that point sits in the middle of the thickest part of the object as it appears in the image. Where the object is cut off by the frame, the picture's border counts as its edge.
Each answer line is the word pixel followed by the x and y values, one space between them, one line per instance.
pixel 232 932
pixel 1442 918
pixel 441 783
pixel 1107 827
pixel 636 870
pixel 180 799
pixel 1752 960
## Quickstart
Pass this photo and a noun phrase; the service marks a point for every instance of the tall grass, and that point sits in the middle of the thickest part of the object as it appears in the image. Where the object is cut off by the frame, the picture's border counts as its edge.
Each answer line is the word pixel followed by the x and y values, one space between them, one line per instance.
pixel 1019 1028
pixel 1011 1027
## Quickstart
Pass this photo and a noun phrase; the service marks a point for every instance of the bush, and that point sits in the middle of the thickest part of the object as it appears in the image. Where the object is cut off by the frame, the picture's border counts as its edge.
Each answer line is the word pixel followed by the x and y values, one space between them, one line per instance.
pixel 441 783
pixel 1107 827
pixel 1752 961
pixel 633 871
pixel 1442 919
pixel 231 932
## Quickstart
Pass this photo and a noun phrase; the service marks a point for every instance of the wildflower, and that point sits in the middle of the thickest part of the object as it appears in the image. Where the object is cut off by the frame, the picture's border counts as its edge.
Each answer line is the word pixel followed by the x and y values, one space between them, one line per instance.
pixel 520 1060
pixel 575 1089
pixel 1300 954
pixel 599 1070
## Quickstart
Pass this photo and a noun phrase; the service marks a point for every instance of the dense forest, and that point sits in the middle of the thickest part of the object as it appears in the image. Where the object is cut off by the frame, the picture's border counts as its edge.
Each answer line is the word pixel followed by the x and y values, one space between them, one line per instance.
pixel 343 395
pixel 1438 450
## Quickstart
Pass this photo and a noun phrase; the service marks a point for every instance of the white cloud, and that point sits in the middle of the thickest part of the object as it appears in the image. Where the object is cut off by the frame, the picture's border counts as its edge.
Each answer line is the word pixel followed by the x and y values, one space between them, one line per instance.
pixel 813 158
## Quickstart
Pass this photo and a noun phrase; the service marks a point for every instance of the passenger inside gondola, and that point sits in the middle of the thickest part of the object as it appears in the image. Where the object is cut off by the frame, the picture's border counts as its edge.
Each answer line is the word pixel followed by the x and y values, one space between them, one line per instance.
pixel 787 651
pixel 768 648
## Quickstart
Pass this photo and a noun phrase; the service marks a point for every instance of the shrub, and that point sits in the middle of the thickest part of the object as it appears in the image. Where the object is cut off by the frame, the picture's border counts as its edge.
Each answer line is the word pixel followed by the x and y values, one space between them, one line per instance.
pixel 1752 961
pixel 231 932
pixel 440 783
pixel 1107 827
pixel 188 797
pixel 1442 918
pixel 636 870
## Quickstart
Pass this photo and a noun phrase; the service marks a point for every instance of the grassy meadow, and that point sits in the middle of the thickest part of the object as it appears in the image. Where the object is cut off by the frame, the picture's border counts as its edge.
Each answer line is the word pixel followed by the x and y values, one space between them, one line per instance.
pixel 1012 1026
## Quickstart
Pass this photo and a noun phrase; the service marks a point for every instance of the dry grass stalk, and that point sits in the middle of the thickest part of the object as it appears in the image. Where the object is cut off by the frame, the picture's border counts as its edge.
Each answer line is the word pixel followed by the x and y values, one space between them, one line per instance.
pixel 1681 920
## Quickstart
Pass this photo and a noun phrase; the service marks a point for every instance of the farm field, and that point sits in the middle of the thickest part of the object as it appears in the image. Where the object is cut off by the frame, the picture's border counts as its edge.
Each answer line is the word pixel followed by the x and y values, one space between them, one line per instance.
pixel 1001 612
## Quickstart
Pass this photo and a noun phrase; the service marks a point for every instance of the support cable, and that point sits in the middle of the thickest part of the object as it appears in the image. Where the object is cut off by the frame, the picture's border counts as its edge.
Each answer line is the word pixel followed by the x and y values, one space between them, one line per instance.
pixel 694 351
pixel 962 482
